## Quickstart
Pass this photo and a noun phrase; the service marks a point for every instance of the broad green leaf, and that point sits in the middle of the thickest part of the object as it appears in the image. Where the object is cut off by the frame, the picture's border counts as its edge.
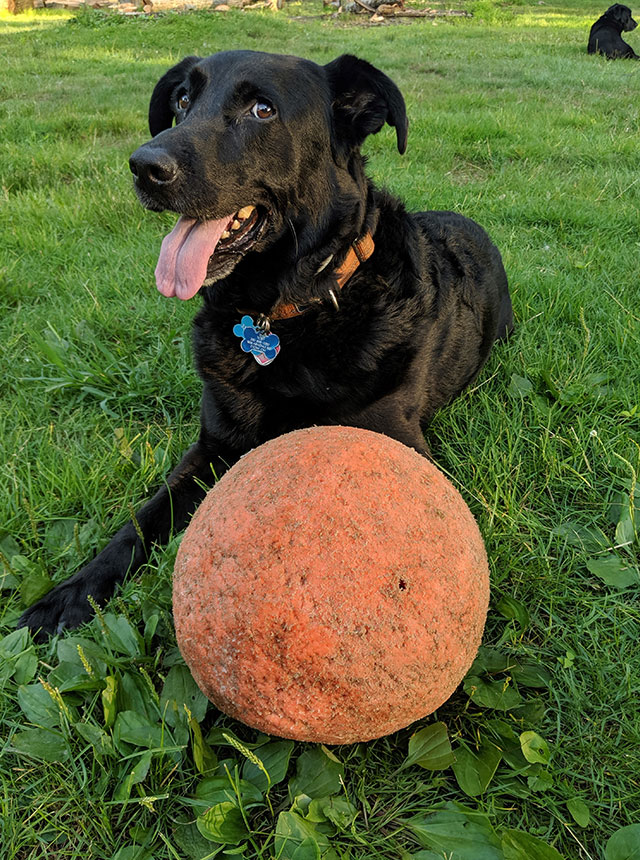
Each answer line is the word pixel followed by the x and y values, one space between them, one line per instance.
pixel 8 545
pixel 133 728
pixel 34 586
pixel 520 385
pixel 512 755
pixel 83 652
pixel 218 789
pixel 26 666
pixel 150 627
pixel 134 695
pixel 8 549
pixel 59 537
pixel 318 774
pixel 529 674
pixel 307 850
pixel 518 845
pixel 501 727
pixel 457 835
pixel 191 842
pixel 613 571
pixel 179 690
pixel 204 757
pixel 624 506
pixel 88 534
pixel 42 744
pixel 223 823
pixel 585 538
pixel 532 713
pixel 108 696
pixel 275 758
pixel 14 643
pixel 474 769
pixel 292 832
pixel 94 735
pixel 499 695
pixel 337 810
pixel 626 528
pixel 301 805
pixel 624 844
pixel 69 676
pixel 430 748
pixel 489 661
pixel 511 608
pixel 534 748
pixel 122 636
pixel 8 582
pixel 508 743
pixel 38 706
pixel 540 781
pixel 579 811
pixel 24 566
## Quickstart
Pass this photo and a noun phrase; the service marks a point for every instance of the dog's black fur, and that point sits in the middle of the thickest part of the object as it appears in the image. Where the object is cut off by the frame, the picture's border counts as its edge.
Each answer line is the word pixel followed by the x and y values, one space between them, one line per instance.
pixel 415 322
pixel 604 37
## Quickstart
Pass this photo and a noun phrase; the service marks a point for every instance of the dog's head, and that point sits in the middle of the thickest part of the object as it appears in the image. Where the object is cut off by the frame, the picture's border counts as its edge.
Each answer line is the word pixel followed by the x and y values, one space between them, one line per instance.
pixel 620 16
pixel 259 141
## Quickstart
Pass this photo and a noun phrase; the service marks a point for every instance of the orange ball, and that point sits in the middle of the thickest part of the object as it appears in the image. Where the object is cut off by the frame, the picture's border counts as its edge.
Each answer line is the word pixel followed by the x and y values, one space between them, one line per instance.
pixel 332 587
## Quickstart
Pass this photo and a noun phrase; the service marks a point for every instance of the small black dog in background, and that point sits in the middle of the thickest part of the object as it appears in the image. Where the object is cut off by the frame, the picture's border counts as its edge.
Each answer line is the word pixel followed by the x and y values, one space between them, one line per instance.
pixel 605 38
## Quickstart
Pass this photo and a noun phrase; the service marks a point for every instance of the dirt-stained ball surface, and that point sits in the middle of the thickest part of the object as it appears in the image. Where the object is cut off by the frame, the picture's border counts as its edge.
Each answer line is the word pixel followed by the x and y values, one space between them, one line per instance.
pixel 332 587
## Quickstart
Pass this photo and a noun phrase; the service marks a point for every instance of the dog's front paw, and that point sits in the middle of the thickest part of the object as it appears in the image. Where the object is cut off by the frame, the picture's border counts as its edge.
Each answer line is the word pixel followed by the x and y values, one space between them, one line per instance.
pixel 67 605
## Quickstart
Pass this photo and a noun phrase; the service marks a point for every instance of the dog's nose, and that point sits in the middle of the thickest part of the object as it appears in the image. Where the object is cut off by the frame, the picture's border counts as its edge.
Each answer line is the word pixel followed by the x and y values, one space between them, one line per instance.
pixel 153 166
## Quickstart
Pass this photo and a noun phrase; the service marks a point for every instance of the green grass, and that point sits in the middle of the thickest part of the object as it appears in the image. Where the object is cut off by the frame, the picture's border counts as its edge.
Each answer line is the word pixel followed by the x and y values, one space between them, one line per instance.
pixel 512 124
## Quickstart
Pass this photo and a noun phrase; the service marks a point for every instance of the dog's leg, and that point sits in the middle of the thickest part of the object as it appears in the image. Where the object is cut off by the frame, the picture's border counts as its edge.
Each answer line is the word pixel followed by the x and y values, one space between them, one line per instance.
pixel 168 511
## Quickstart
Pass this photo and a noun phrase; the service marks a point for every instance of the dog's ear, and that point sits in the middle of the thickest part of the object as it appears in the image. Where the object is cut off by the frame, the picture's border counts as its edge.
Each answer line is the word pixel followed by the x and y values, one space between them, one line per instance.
pixel 621 14
pixel 625 18
pixel 160 112
pixel 364 98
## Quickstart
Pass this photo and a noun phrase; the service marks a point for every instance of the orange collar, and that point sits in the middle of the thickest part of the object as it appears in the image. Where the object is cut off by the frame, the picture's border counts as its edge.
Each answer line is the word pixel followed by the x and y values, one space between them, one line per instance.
pixel 359 252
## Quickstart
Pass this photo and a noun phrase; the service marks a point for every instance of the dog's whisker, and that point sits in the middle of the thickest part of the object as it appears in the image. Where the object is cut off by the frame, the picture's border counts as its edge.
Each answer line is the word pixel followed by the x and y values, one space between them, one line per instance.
pixel 323 265
pixel 294 234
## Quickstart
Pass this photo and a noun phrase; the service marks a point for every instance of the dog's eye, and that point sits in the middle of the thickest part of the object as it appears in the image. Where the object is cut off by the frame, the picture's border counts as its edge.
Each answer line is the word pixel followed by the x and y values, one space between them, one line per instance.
pixel 263 110
pixel 183 101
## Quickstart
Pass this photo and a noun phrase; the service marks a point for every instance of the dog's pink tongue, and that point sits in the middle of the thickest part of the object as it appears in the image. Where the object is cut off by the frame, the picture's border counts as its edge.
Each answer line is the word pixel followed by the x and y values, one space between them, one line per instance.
pixel 184 255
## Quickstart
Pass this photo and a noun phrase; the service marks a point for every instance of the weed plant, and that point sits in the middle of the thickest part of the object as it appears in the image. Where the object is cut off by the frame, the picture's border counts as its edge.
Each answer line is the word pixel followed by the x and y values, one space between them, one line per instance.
pixel 108 750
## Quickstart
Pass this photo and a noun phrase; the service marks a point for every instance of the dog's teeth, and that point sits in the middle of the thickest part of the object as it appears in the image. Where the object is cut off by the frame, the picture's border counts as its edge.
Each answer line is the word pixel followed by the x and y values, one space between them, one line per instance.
pixel 244 213
pixel 225 234
pixel 235 225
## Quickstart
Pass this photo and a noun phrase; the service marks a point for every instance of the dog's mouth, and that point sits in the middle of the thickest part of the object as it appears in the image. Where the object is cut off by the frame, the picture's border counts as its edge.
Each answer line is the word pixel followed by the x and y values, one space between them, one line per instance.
pixel 197 253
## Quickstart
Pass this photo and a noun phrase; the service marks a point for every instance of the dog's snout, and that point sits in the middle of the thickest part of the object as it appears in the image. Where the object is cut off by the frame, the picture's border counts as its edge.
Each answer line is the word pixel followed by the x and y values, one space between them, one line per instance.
pixel 153 166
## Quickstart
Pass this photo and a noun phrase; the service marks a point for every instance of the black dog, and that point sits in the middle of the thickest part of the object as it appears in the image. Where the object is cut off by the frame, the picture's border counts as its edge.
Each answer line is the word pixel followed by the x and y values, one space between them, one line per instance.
pixel 604 37
pixel 324 301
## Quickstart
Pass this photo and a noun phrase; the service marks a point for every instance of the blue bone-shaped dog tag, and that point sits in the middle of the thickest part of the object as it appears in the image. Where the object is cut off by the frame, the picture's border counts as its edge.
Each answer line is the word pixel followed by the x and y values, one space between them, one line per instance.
pixel 264 347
